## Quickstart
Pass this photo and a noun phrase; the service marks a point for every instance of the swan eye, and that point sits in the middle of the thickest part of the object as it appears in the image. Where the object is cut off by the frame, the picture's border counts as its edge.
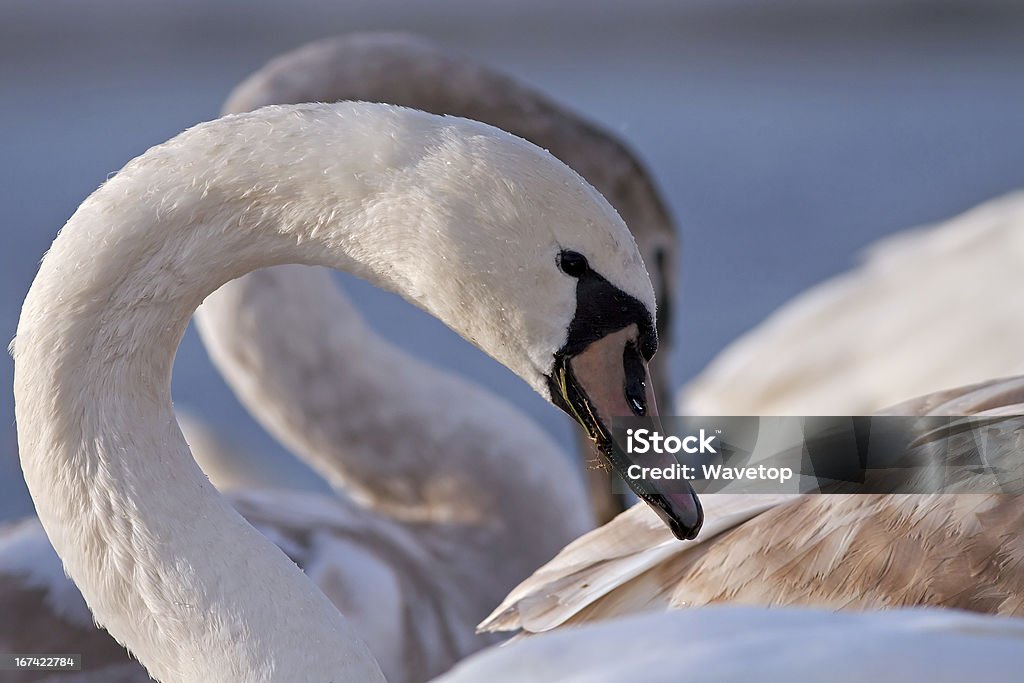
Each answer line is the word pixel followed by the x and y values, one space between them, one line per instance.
pixel 573 263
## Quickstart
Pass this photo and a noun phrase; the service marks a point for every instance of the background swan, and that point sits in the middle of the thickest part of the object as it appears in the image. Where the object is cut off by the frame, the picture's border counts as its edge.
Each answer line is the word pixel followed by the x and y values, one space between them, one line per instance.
pixel 406 70
pixel 841 551
pixel 163 561
pixel 726 644
pixel 930 309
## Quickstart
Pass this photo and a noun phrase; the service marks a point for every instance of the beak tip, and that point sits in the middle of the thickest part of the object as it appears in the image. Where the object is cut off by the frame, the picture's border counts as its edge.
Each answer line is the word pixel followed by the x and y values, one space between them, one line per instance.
pixel 685 532
pixel 684 520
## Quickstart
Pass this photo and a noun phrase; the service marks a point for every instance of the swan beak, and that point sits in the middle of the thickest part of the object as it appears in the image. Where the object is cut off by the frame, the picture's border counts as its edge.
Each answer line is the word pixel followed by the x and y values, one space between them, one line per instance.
pixel 609 378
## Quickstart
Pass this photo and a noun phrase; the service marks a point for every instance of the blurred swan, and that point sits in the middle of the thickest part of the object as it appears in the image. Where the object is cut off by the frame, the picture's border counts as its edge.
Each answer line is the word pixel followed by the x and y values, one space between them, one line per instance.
pixel 727 644
pixel 950 549
pixel 930 309
pixel 417 204
pixel 409 71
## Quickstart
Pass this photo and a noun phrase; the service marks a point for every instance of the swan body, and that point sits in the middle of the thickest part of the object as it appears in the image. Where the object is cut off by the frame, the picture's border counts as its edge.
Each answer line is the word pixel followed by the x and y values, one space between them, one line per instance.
pixel 406 70
pixel 725 644
pixel 930 309
pixel 841 551
pixel 445 211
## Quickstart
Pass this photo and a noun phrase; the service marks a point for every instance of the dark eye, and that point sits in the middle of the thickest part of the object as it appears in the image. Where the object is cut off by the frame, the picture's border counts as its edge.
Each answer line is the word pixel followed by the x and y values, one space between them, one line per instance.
pixel 573 263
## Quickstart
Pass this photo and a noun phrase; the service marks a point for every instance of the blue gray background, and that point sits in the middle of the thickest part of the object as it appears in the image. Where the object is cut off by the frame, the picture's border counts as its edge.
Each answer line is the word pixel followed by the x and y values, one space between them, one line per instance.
pixel 785 135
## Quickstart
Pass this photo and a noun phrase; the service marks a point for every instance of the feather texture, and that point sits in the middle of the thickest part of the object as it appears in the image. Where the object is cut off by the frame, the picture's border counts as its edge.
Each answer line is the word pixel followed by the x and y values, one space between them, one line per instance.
pixel 727 644
pixel 844 551
pixel 929 309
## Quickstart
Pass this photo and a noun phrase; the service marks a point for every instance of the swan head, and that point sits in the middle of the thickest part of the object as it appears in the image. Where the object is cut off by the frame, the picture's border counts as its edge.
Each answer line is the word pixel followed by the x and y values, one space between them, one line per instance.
pixel 530 263
pixel 602 371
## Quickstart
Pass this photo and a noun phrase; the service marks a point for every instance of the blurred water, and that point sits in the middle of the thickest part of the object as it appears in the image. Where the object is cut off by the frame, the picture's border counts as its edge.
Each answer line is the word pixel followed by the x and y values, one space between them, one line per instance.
pixel 785 139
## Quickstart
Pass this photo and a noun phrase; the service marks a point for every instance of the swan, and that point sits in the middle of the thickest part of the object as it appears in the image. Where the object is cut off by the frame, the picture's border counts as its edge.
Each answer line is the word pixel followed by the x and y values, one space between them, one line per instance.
pixel 402 69
pixel 927 311
pixel 836 550
pixel 487 232
pixel 527 505
pixel 726 644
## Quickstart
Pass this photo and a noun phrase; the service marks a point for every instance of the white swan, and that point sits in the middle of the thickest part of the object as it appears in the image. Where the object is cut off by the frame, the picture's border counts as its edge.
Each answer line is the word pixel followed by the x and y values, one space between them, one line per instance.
pixel 728 644
pixel 927 311
pixel 409 71
pixel 483 230
pixel 841 551
pixel 300 357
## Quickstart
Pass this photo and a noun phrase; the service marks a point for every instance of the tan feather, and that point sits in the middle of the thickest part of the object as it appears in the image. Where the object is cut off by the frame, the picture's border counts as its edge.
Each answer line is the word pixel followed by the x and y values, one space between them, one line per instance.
pixel 844 551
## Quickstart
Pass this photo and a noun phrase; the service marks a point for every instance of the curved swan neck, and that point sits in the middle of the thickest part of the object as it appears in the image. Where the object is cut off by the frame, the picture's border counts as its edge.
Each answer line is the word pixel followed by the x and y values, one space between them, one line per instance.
pixel 164 562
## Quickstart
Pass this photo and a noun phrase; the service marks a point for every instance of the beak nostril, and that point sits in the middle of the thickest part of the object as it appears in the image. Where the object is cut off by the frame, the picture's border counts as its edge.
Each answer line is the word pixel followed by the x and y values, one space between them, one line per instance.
pixel 637 407
pixel 635 379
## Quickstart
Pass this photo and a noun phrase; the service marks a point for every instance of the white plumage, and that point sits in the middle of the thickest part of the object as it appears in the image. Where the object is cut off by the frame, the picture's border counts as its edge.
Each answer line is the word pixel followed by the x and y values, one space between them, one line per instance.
pixel 727 644
pixel 448 212
pixel 930 309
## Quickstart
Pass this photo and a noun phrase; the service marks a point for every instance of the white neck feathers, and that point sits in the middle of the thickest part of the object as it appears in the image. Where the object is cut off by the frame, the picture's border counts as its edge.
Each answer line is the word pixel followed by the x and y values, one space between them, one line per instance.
pixel 163 561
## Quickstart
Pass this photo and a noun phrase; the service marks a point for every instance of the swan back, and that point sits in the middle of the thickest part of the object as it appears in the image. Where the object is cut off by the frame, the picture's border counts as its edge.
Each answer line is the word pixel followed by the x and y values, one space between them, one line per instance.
pixel 724 644
pixel 929 309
